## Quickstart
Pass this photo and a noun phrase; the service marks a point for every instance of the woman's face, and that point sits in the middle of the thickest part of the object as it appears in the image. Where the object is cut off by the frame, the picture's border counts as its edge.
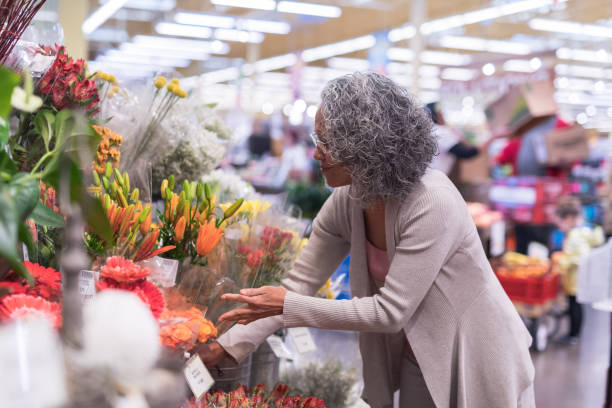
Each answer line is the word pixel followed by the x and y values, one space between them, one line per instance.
pixel 335 175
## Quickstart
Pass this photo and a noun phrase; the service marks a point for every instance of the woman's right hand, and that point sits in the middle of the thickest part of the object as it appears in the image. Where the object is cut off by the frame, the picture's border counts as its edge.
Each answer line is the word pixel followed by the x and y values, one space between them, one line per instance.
pixel 212 354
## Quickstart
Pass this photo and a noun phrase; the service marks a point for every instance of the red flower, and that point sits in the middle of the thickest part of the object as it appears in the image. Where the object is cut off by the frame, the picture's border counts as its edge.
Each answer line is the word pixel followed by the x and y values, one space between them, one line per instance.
pixel 13 287
pixel 78 66
pixel 17 306
pixel 145 290
pixel 59 96
pixel 123 270
pixel 84 90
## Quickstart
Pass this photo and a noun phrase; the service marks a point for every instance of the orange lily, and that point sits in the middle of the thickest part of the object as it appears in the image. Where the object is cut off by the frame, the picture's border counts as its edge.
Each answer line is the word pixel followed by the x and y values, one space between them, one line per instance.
pixel 179 229
pixel 208 237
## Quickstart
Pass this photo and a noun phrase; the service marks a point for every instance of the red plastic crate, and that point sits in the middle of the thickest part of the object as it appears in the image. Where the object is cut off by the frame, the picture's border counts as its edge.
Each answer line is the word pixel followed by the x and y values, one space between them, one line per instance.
pixel 533 291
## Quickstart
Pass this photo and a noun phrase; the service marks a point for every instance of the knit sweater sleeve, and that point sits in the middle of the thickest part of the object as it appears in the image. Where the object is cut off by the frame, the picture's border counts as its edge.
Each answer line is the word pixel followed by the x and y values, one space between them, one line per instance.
pixel 326 249
pixel 431 231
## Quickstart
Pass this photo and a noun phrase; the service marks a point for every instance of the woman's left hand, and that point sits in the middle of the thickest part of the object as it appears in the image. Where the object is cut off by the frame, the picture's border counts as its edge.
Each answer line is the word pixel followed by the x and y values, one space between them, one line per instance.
pixel 262 302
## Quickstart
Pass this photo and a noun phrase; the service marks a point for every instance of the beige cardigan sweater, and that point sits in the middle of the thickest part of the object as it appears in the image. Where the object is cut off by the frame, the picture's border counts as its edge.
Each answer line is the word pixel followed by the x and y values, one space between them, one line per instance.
pixel 467 337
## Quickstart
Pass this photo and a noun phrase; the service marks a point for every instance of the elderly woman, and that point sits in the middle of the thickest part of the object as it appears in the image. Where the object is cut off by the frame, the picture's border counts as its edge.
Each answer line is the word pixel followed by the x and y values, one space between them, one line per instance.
pixel 432 318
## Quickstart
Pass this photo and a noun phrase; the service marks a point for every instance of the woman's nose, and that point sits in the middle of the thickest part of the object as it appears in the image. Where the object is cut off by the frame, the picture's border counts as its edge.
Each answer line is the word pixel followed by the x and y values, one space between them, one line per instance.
pixel 317 154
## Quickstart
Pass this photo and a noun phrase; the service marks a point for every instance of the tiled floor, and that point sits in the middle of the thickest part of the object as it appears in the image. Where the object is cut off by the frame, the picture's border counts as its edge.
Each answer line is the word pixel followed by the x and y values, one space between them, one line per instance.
pixel 575 376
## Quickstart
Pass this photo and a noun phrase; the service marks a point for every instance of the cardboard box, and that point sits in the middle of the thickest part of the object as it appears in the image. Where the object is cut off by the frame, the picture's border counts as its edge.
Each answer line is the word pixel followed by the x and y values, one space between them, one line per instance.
pixel 521 104
pixel 564 146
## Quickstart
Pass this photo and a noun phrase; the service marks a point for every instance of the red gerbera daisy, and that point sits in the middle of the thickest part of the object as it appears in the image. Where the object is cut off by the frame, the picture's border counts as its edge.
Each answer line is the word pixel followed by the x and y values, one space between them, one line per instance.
pixel 48 281
pixel 123 270
pixel 17 306
pixel 145 290
pixel 13 287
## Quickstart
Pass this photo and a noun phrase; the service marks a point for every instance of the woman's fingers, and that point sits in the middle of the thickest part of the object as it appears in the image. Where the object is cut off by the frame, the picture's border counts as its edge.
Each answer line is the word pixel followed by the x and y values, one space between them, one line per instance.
pixel 232 297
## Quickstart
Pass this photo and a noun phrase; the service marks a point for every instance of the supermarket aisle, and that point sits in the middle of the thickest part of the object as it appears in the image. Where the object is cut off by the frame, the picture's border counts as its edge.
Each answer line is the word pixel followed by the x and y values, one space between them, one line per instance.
pixel 575 376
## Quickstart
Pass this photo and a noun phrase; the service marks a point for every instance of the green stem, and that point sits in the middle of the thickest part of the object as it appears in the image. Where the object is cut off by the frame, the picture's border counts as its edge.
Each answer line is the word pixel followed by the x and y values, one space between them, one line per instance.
pixel 42 160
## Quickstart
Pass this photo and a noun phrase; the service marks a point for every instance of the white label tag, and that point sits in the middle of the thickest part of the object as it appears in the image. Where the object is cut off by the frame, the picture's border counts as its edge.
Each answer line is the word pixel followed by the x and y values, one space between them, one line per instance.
pixel 26 255
pixel 197 376
pixel 302 339
pixel 497 244
pixel 87 285
pixel 278 347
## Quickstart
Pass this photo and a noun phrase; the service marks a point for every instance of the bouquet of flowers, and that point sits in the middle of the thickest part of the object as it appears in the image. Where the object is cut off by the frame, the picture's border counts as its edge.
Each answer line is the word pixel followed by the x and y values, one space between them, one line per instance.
pixel 256 397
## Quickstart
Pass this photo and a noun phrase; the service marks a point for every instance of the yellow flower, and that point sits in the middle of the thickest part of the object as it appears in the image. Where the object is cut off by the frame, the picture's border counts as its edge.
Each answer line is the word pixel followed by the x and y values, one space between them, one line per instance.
pixel 303 243
pixel 251 208
pixel 181 93
pixel 174 81
pixel 171 87
pixel 160 82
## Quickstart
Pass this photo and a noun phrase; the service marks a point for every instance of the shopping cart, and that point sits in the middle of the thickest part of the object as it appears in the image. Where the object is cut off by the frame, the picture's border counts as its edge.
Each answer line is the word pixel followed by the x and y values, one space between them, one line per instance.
pixel 539 303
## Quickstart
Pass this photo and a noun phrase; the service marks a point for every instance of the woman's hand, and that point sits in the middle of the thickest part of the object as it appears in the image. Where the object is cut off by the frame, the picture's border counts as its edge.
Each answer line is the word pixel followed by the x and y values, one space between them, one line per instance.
pixel 211 353
pixel 262 302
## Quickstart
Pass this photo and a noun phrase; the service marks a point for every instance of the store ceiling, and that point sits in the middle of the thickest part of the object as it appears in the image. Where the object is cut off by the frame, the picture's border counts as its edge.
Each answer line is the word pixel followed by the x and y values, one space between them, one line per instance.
pixel 539 30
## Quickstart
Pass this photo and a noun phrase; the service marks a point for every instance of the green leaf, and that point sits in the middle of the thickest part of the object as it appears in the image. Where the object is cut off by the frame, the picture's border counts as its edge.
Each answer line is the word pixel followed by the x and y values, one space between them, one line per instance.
pixel 95 216
pixel 25 194
pixel 7 165
pixel 64 123
pixel 8 234
pixel 4 132
pixel 44 122
pixel 8 81
pixel 43 215
pixel 23 232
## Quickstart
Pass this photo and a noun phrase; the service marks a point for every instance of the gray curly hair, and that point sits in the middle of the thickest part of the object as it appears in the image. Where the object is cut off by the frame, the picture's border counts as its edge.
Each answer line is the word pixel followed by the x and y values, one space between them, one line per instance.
pixel 376 130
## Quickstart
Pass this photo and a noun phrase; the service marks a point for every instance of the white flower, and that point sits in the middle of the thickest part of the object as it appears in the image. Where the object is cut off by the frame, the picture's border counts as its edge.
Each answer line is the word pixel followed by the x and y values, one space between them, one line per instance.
pixel 24 102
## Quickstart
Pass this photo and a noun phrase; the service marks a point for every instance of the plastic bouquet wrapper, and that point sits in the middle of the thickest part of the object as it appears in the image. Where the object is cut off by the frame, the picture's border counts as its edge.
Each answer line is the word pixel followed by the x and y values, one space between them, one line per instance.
pixel 198 139
pixel 228 186
pixel 256 397
pixel 26 53
pixel 262 244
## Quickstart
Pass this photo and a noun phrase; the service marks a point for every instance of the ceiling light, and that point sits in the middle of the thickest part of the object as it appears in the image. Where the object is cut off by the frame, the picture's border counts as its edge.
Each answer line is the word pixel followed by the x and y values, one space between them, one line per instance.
pixel 221 75
pixel 264 26
pixel 144 50
pixel 182 30
pixel 400 54
pixel 213 47
pixel 208 20
pixel 570 27
pixel 581 98
pixel 458 74
pixel 274 63
pixel 103 13
pixel 445 58
pixel 311 111
pixel 582 70
pixel 484 14
pixel 584 55
pixel 600 86
pixel 610 111
pixel 108 34
pixel 118 56
pixel 468 101
pixel 482 44
pixel 299 106
pixel 228 34
pixel 402 33
pixel 488 69
pixel 349 64
pixel 519 65
pixel 155 5
pixel 252 4
pixel 311 9
pixel 430 83
pixel 267 108
pixel 339 48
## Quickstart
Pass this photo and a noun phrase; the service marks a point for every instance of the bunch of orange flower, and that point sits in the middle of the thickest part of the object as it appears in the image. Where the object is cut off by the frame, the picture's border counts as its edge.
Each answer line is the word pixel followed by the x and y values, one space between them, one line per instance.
pixel 189 223
pixel 183 328
pixel 107 149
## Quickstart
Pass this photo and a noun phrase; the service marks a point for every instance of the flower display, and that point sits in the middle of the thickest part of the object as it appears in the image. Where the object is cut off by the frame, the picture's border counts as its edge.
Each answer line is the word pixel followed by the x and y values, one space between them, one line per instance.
pixel 181 328
pixel 47 282
pixel 209 236
pixel 123 270
pixel 145 290
pixel 107 149
pixel 242 397
pixel 17 306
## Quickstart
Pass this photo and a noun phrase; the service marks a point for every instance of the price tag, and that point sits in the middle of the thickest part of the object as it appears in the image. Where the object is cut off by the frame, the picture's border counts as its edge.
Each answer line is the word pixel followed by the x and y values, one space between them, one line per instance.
pixel 26 255
pixel 197 376
pixel 497 245
pixel 278 347
pixel 87 285
pixel 302 339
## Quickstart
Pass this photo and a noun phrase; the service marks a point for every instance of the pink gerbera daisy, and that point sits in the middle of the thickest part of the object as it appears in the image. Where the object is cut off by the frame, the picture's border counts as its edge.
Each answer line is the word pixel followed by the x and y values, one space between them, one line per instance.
pixel 145 290
pixel 17 306
pixel 123 270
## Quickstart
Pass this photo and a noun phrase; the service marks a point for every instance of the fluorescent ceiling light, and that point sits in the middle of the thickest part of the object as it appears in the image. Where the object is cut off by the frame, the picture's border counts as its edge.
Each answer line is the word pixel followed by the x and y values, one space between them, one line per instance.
pixel 182 30
pixel 310 9
pixel 339 48
pixel 119 57
pixel 103 13
pixel 252 4
pixel 430 83
pixel 458 74
pixel 213 47
pixel 570 27
pixel 402 33
pixel 273 63
pixel 519 65
pixel 208 20
pixel 484 14
pixel 583 71
pixel 264 26
pixel 585 55
pixel 144 50
pixel 228 34
pixel 348 64
pixel 108 34
pixel 154 5
pixel 221 75
pixel 580 98
pixel 429 56
pixel 482 44
pixel 134 15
